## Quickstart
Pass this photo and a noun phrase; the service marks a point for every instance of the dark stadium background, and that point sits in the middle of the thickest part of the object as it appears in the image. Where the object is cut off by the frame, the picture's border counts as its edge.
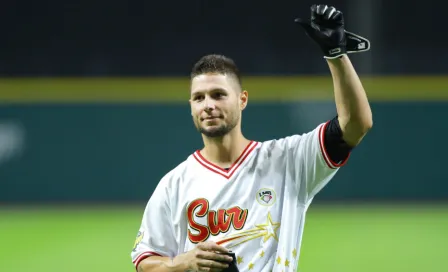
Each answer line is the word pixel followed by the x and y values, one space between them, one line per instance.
pixel 93 112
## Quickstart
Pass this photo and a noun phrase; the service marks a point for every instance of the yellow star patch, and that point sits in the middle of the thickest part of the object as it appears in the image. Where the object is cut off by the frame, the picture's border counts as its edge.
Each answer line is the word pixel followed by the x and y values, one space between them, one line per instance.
pixel 294 253
pixel 279 260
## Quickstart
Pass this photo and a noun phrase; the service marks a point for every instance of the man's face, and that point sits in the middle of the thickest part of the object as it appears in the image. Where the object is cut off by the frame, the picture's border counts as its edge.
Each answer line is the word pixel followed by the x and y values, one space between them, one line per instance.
pixel 216 103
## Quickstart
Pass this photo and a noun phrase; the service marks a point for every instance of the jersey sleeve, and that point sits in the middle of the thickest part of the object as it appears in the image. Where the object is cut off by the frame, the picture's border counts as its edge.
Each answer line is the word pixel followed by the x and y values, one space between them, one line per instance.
pixel 156 235
pixel 312 166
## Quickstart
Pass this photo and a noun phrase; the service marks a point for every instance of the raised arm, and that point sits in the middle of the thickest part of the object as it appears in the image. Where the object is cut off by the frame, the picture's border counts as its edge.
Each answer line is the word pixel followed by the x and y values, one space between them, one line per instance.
pixel 354 113
pixel 327 28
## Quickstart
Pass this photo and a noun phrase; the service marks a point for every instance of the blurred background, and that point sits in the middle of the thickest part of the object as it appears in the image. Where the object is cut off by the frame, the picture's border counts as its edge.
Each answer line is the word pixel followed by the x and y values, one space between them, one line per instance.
pixel 94 111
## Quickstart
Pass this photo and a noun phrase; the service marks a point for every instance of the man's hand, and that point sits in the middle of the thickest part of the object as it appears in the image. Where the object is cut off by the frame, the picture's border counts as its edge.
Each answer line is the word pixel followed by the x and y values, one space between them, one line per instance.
pixel 207 256
pixel 327 29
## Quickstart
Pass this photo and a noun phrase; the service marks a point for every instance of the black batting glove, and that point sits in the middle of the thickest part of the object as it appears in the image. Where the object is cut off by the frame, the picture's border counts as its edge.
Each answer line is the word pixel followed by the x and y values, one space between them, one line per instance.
pixel 327 29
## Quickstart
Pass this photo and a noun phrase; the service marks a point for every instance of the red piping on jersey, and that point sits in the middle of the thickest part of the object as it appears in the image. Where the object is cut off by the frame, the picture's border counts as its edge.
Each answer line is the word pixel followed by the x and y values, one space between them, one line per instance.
pixel 328 160
pixel 221 171
pixel 143 256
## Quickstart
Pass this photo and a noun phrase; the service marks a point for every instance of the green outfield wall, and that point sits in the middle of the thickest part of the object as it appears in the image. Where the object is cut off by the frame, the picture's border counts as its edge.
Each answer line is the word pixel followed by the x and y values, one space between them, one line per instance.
pixel 175 90
pixel 113 139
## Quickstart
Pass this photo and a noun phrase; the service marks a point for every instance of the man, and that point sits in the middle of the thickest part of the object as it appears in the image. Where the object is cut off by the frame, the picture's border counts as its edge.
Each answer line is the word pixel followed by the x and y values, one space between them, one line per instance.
pixel 245 196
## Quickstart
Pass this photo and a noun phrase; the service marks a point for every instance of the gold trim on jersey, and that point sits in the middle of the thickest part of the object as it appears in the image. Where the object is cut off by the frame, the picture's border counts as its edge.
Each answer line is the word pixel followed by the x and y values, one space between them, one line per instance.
pixel 265 230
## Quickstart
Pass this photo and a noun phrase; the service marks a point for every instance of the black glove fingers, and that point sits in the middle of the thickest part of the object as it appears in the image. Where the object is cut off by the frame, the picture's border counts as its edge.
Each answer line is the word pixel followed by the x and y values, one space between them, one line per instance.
pixel 337 15
pixel 321 9
pixel 329 13
pixel 313 12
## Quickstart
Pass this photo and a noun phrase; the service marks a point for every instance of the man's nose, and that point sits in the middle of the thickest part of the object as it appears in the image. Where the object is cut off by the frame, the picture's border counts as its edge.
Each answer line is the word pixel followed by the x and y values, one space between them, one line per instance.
pixel 209 104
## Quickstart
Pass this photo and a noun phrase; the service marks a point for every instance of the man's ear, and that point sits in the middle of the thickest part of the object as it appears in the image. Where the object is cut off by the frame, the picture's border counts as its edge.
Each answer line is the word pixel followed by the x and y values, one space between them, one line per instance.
pixel 244 99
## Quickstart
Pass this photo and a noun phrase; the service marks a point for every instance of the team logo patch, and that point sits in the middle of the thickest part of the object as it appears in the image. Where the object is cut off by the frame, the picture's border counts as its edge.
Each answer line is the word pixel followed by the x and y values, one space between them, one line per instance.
pixel 138 240
pixel 266 197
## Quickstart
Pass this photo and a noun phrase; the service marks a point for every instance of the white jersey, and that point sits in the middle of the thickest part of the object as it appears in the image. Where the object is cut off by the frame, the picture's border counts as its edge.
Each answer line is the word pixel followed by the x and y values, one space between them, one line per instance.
pixel 256 208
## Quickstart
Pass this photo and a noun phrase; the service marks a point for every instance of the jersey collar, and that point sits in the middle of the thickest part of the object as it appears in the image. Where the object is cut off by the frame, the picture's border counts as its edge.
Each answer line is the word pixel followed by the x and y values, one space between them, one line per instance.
pixel 227 173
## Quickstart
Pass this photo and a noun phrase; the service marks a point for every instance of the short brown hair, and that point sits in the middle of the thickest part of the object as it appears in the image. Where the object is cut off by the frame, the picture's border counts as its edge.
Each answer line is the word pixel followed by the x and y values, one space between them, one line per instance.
pixel 216 64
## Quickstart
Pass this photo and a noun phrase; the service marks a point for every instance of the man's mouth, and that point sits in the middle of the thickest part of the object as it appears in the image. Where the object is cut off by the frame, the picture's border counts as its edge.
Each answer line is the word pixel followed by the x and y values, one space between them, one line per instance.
pixel 211 118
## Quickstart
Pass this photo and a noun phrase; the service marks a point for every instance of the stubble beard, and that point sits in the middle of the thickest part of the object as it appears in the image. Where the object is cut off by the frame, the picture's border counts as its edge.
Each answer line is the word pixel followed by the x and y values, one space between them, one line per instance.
pixel 219 131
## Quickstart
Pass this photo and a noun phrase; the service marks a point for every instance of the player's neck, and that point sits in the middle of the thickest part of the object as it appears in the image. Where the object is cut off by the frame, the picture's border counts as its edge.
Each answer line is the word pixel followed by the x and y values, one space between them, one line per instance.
pixel 224 151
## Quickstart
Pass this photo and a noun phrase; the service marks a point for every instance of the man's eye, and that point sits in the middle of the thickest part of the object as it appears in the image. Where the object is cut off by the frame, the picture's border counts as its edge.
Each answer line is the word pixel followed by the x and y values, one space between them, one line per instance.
pixel 198 98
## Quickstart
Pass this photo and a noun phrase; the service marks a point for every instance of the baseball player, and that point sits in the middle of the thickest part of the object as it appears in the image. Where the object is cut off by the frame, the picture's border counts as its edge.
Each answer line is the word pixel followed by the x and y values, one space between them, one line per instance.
pixel 239 204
